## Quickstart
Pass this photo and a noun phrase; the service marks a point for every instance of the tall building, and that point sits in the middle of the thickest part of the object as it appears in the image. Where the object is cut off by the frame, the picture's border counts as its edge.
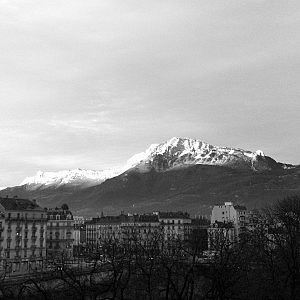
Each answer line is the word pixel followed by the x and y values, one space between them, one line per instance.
pixel 228 212
pixel 60 232
pixel 79 235
pixel 228 221
pixel 78 230
pixel 22 235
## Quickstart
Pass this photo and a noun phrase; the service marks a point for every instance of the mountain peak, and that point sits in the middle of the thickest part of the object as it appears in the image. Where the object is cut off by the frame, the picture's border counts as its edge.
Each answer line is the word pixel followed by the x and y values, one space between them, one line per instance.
pixel 177 152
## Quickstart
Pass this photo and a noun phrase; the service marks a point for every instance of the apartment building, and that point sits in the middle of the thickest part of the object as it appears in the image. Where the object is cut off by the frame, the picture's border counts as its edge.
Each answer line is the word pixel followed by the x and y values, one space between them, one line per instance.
pixel 175 224
pixel 104 228
pixel 228 221
pixel 170 225
pixel 22 235
pixel 143 228
pixel 228 212
pixel 60 232
pixel 78 233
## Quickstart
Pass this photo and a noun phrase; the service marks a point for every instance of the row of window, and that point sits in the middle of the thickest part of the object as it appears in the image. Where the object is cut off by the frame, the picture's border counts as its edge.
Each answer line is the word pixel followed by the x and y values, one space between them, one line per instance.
pixel 19 216
pixel 18 254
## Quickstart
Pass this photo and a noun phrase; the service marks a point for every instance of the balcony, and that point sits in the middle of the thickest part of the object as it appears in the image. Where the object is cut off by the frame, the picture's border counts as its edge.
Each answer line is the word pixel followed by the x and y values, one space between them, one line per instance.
pixel 33 238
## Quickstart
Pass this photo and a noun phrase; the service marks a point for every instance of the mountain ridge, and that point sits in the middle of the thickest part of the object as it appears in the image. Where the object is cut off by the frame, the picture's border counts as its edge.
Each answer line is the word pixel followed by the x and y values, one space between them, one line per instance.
pixel 175 152
pixel 179 174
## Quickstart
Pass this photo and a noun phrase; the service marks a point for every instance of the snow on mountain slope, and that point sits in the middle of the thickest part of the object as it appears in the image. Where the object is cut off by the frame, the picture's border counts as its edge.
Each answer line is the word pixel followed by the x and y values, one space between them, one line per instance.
pixel 174 153
pixel 73 177
pixel 178 152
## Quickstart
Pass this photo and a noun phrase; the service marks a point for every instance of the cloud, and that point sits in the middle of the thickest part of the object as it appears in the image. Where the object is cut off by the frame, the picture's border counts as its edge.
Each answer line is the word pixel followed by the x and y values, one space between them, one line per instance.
pixel 93 123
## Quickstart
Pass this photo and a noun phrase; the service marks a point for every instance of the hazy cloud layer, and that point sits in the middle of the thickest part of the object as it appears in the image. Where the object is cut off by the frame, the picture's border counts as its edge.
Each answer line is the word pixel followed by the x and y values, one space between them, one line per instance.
pixel 89 83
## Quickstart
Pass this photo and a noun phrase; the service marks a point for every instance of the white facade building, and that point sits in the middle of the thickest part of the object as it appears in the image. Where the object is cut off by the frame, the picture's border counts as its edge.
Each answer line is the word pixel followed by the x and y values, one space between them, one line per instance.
pixel 229 213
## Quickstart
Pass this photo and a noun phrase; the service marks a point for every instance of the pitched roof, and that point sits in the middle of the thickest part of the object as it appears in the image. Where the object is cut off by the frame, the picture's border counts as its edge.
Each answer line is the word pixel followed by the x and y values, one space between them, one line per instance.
pixel 18 204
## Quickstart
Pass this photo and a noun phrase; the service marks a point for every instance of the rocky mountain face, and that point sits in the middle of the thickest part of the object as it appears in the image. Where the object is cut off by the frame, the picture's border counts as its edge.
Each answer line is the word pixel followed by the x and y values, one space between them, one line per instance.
pixel 181 173
pixel 180 152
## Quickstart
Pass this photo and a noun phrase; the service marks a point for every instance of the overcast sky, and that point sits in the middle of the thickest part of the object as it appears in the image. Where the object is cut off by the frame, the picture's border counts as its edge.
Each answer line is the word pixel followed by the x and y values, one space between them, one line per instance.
pixel 87 83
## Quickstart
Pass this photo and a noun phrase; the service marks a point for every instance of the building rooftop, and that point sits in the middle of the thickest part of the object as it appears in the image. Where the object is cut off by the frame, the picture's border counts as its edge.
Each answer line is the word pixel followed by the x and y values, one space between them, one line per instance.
pixel 108 220
pixel 16 203
pixel 238 207
pixel 146 218
pixel 174 215
pixel 63 212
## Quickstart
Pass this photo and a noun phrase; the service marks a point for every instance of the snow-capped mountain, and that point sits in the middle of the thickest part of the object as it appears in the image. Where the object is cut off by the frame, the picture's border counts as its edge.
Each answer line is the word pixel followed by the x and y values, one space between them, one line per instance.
pixel 70 177
pixel 179 174
pixel 180 152
pixel 174 153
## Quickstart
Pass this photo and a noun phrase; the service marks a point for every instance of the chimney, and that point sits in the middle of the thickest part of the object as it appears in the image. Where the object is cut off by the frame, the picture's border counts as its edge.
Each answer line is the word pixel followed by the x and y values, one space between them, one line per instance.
pixel 34 201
